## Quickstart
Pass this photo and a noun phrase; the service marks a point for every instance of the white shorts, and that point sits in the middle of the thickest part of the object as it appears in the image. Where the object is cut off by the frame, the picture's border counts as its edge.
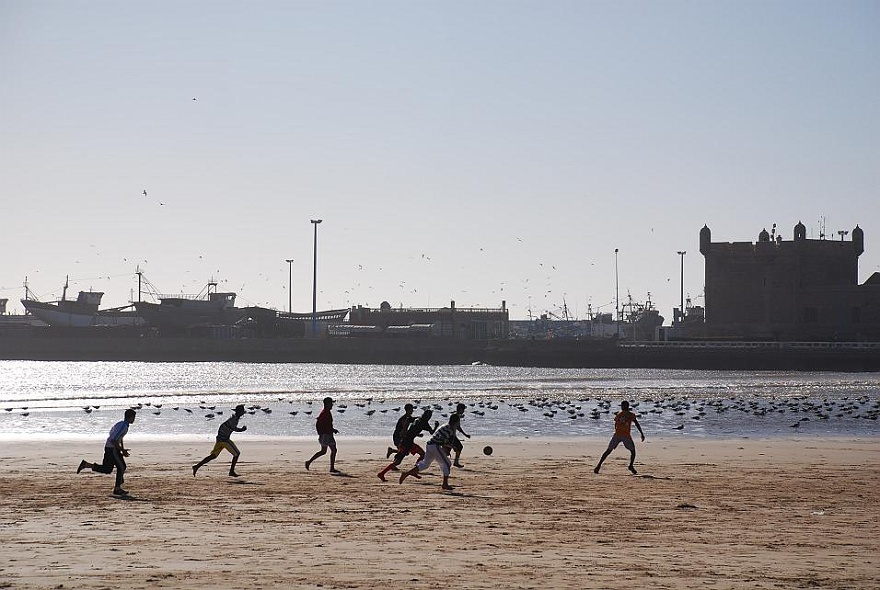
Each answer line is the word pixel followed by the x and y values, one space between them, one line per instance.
pixel 435 453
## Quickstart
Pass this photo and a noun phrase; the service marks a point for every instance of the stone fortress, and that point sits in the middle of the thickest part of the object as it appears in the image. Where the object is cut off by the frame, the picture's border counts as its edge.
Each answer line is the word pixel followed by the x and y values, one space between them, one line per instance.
pixel 798 290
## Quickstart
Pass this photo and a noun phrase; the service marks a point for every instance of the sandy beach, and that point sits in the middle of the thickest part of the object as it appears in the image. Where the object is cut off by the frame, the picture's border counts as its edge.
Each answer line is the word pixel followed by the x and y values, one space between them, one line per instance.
pixel 738 513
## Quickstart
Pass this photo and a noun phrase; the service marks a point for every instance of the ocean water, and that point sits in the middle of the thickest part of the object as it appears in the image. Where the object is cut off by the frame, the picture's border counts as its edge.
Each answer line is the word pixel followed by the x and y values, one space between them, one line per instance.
pixel 69 400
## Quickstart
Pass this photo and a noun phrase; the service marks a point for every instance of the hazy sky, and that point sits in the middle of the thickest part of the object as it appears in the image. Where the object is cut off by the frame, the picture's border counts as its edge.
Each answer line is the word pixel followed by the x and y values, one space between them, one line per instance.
pixel 475 151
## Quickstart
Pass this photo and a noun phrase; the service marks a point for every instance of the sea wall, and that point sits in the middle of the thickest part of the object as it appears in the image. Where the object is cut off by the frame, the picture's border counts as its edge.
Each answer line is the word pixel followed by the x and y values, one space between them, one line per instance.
pixel 430 351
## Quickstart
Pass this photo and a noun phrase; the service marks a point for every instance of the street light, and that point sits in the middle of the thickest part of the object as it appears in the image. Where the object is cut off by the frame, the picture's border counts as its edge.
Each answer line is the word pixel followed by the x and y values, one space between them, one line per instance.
pixel 289 262
pixel 315 222
pixel 681 309
pixel 617 293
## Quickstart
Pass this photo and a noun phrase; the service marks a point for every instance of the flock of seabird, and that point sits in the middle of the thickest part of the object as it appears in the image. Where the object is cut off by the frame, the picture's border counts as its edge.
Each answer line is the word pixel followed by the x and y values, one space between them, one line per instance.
pixel 676 411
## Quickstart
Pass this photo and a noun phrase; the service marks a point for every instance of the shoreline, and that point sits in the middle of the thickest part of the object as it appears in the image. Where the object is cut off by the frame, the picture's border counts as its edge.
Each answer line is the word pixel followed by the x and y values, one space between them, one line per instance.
pixel 98 437
pixel 792 512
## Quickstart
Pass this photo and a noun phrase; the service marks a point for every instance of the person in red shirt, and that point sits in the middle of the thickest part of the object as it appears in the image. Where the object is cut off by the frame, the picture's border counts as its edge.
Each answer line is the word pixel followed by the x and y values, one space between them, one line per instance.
pixel 325 429
pixel 623 421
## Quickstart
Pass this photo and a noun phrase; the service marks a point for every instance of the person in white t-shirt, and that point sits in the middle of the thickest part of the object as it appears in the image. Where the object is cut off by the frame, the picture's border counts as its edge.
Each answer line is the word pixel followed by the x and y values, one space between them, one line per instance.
pixel 114 453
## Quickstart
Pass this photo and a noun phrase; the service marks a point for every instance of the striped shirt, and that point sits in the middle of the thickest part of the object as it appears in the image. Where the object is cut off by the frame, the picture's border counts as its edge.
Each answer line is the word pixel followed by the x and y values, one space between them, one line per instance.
pixel 444 436
pixel 227 428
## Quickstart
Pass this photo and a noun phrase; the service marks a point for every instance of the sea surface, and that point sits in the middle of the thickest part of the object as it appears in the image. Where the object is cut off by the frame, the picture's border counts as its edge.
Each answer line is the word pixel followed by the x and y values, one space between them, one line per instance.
pixel 71 400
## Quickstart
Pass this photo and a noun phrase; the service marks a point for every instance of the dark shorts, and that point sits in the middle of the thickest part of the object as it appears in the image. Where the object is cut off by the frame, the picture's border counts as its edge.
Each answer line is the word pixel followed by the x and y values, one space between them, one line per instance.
pixel 627 442
pixel 327 440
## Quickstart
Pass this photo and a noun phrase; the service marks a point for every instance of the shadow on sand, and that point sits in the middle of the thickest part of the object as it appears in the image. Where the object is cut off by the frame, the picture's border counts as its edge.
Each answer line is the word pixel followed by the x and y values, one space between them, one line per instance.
pixel 129 498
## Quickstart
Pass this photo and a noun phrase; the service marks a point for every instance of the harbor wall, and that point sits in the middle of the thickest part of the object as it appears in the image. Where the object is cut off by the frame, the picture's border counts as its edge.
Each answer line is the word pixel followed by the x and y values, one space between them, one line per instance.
pixel 528 353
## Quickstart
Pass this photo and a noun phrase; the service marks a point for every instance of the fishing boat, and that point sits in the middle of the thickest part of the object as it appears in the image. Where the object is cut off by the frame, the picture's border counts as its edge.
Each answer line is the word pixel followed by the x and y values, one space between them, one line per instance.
pixel 82 312
pixel 10 320
pixel 185 312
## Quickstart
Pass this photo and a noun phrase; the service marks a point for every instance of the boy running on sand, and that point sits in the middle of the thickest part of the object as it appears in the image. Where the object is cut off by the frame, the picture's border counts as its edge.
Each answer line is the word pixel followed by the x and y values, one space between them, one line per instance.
pixel 403 424
pixel 457 446
pixel 114 453
pixel 437 450
pixel 325 429
pixel 224 441
pixel 408 444
pixel 622 426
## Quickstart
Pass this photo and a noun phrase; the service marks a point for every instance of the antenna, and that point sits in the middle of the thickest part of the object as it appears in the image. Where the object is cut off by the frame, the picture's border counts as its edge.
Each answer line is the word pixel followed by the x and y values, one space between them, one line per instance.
pixel 140 275
pixel 822 228
pixel 842 233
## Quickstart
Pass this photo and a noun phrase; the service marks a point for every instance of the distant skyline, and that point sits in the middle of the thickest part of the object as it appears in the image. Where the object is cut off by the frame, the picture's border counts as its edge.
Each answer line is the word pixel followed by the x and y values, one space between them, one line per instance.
pixel 471 151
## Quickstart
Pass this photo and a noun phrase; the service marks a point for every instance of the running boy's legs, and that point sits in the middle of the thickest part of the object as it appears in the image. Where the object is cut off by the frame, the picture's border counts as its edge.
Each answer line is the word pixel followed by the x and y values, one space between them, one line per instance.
pixel 627 443
pixel 320 453
pixel 327 441
pixel 112 460
pixel 215 452
pixel 611 446
pixel 457 447
pixel 333 457
pixel 433 453
pixel 402 452
pixel 230 446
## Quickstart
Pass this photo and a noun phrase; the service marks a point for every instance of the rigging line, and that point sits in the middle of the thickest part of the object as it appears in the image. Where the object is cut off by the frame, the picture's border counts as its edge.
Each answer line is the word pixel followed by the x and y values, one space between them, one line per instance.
pixel 102 277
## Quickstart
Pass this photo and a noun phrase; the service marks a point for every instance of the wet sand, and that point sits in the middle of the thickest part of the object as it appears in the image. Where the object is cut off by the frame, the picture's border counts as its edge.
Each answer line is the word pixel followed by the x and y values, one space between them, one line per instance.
pixel 738 513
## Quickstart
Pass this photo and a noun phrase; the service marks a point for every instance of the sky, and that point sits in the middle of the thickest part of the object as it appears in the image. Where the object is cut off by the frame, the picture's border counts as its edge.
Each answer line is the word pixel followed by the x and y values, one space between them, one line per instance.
pixel 467 151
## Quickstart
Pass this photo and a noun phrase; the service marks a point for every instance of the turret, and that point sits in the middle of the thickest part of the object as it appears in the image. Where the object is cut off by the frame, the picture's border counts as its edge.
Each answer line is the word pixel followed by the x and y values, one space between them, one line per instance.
pixel 800 232
pixel 764 236
pixel 705 240
pixel 858 238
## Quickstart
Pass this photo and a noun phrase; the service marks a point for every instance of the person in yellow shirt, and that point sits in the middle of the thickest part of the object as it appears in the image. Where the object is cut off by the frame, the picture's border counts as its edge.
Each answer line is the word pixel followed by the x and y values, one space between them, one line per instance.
pixel 623 421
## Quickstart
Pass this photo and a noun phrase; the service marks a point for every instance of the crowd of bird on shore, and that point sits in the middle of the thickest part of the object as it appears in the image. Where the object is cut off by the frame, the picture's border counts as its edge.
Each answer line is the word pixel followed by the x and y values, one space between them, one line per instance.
pixel 799 410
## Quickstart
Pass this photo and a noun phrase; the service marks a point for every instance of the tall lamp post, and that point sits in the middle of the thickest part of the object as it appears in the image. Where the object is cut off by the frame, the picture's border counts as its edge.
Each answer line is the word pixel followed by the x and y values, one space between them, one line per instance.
pixel 617 293
pixel 289 262
pixel 315 222
pixel 681 309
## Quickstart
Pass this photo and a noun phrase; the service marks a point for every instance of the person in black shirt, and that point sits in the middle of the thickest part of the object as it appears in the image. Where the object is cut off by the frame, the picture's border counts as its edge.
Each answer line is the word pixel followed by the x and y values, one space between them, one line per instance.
pixel 403 424
pixel 456 445
pixel 408 444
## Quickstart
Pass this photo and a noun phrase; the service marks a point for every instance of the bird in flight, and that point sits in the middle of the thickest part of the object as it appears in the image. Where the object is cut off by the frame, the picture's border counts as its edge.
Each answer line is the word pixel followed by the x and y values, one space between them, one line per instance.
pixel 145 192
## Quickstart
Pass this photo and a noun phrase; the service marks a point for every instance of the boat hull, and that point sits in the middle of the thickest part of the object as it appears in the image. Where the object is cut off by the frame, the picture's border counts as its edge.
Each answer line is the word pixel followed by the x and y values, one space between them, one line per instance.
pixel 183 317
pixel 54 316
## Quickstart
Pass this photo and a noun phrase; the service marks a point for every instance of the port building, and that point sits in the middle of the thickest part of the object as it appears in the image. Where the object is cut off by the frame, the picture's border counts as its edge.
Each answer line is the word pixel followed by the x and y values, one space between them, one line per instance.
pixel 446 322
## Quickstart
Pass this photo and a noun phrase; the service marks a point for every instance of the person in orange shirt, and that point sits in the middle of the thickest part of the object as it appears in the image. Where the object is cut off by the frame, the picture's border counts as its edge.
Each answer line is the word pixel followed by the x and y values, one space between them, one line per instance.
pixel 623 421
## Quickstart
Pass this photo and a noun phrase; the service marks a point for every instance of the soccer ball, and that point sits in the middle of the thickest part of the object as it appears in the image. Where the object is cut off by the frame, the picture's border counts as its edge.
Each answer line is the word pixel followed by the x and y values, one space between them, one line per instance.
pixel 487 450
